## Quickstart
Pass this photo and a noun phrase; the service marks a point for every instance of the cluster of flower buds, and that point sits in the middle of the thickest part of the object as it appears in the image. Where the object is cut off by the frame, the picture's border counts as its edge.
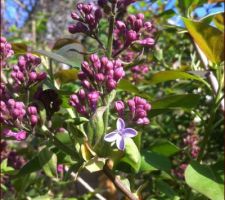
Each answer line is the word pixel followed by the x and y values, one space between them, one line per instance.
pixel 88 17
pixel 12 111
pixel 24 72
pixel 85 102
pixel 191 140
pixel 139 71
pixel 179 171
pixel 135 29
pixel 15 160
pixel 5 51
pixel 33 116
pixel 101 71
pixel 138 107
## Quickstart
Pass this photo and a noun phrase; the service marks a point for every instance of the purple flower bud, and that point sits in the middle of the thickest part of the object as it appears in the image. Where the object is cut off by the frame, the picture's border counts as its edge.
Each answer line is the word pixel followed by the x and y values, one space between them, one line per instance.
pixel 21 135
pixel 131 19
pixel 80 6
pixel 140 113
pixel 32 110
pixel 82 76
pixel 81 94
pixel 119 73
pixel 120 25
pixel 130 37
pixel 2 39
pixel 143 121
pixel 131 105
pixel 104 60
pixel 60 168
pixel 82 110
pixel 19 105
pixel 11 103
pixel 147 107
pixel 74 98
pixel 148 25
pixel 140 16
pixel 148 42
pixel 111 85
pixel 109 65
pixel 138 24
pixel 93 97
pixel 87 8
pixel 32 76
pixel 94 58
pixel 75 16
pixel 99 77
pixel 98 14
pixel 33 120
pixel 20 76
pixel 86 84
pixel 77 28
pixel 22 62
pixel 119 107
pixel 41 76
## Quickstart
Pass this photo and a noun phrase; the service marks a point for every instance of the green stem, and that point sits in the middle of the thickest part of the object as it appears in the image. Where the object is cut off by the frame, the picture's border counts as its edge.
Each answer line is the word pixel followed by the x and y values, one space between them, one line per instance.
pixel 209 125
pixel 109 55
pixel 110 34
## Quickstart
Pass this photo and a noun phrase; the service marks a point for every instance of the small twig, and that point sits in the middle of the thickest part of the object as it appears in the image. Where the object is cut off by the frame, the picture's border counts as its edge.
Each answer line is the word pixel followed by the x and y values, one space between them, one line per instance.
pixel 85 184
pixel 117 182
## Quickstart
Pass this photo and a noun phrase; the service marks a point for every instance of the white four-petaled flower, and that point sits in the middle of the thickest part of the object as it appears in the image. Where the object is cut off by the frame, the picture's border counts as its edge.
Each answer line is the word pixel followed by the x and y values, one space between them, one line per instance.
pixel 120 134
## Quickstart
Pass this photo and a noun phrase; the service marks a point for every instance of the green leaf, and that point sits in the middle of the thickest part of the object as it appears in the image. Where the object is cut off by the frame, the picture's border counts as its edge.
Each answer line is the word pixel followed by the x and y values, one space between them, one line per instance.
pixel 164 76
pixel 97 123
pixel 19 48
pixel 209 39
pixel 151 161
pixel 165 188
pixel 205 180
pixel 48 161
pixel 126 85
pixel 66 76
pixel 132 155
pixel 177 101
pixel 165 147
pixel 56 57
pixel 95 164
pixel 32 165
pixel 63 42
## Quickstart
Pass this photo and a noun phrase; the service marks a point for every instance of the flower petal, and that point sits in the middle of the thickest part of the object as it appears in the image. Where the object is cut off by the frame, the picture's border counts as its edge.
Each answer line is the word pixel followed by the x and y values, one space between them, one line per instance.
pixel 110 137
pixel 129 132
pixel 120 124
pixel 120 143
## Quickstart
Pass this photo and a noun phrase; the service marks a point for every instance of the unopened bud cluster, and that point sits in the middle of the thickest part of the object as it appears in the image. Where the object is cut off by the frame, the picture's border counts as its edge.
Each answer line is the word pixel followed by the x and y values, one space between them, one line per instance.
pixel 87 17
pixel 191 140
pixel 5 51
pixel 138 110
pixel 135 29
pixel 24 73
pixel 99 76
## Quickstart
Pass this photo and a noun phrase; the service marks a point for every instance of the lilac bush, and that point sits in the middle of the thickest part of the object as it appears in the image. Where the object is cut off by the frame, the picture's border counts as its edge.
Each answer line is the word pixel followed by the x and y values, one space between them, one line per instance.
pixel 118 114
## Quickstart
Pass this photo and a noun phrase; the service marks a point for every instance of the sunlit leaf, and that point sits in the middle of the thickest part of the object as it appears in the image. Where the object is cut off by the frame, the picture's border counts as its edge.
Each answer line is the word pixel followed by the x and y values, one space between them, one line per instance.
pixel 56 57
pixel 132 154
pixel 209 39
pixel 205 180
pixel 177 101
pixel 151 161
pixel 67 75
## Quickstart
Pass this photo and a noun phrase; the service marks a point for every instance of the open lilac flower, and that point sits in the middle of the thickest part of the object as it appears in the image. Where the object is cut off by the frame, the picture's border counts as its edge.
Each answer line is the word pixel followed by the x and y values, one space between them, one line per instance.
pixel 120 134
